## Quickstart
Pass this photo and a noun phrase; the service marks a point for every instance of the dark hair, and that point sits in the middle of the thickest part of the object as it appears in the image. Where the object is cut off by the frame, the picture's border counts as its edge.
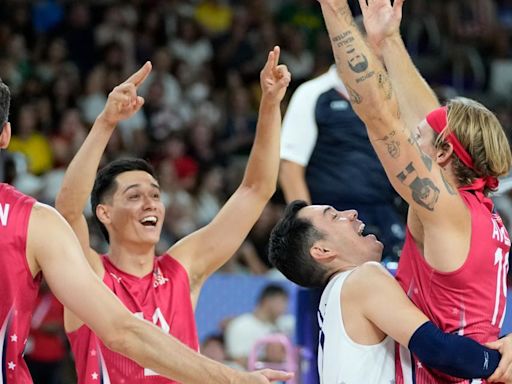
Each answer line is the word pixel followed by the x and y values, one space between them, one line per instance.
pixel 105 184
pixel 5 103
pixel 289 248
pixel 272 290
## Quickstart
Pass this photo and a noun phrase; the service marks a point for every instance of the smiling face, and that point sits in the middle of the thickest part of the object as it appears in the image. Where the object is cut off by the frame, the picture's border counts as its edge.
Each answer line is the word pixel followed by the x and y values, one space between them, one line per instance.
pixel 135 212
pixel 343 234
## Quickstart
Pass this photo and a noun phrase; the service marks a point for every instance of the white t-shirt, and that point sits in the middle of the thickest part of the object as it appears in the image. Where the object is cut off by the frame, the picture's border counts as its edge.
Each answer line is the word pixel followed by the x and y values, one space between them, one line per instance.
pixel 243 332
pixel 340 359
pixel 299 133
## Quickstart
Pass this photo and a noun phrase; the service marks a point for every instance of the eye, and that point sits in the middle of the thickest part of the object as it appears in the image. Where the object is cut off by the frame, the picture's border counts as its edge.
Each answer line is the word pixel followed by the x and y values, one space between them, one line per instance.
pixel 133 197
pixel 156 196
pixel 334 216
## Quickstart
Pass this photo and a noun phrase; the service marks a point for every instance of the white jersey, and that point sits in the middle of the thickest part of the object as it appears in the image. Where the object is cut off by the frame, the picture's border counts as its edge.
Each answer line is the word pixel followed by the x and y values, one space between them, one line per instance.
pixel 340 359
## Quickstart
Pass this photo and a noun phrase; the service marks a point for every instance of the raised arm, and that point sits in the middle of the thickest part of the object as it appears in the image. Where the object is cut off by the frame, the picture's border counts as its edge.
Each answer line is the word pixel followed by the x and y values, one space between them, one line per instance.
pixel 207 249
pixel 384 304
pixel 53 249
pixel 382 24
pixel 78 181
pixel 413 173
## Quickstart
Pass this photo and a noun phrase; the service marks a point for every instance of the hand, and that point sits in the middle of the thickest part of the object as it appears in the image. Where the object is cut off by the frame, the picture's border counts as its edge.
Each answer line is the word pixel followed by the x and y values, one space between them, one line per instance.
pixel 274 78
pixel 266 376
pixel 123 102
pixel 503 373
pixel 381 19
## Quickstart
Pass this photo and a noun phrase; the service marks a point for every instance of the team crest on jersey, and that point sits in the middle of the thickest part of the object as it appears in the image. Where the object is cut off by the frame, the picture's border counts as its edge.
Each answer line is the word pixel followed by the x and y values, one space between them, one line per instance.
pixel 160 279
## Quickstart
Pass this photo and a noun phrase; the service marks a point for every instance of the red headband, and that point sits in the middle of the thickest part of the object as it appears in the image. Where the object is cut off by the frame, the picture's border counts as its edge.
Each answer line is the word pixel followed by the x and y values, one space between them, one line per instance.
pixel 438 120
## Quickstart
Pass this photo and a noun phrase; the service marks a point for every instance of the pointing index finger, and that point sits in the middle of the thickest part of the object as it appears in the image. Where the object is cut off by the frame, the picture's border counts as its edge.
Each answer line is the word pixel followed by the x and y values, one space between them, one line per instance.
pixel 138 77
pixel 277 53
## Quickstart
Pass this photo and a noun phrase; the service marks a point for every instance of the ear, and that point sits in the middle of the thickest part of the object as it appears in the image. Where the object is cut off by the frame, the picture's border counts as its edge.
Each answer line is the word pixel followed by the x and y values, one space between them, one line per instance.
pixel 443 155
pixel 321 253
pixel 5 136
pixel 103 214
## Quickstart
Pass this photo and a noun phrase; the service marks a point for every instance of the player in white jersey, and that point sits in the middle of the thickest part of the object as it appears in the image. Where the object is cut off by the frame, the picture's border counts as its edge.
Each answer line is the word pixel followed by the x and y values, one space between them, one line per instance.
pixel 342 360
pixel 318 246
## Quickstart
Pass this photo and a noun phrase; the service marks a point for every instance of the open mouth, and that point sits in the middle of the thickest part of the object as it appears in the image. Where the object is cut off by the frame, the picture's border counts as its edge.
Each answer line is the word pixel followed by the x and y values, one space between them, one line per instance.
pixel 149 221
pixel 361 229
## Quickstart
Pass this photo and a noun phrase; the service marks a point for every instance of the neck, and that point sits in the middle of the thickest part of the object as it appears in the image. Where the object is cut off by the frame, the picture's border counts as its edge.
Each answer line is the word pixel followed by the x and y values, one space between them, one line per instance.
pixel 135 260
pixel 260 314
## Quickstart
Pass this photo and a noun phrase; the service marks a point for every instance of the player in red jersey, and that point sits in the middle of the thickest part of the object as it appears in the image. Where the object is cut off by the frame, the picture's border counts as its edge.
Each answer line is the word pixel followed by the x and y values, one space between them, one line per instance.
pixel 454 260
pixel 36 240
pixel 126 200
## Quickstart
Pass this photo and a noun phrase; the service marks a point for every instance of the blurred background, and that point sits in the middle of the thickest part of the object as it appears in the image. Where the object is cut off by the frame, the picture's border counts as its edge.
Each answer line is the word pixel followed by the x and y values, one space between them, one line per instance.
pixel 62 58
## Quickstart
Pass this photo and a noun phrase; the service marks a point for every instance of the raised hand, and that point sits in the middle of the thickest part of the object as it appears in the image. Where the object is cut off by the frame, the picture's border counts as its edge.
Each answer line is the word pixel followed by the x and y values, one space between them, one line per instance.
pixel 274 78
pixel 123 102
pixel 381 19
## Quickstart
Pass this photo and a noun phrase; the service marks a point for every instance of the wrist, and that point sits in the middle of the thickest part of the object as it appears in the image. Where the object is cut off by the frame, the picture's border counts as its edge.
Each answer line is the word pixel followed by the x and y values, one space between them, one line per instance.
pixel 269 101
pixel 105 122
pixel 391 42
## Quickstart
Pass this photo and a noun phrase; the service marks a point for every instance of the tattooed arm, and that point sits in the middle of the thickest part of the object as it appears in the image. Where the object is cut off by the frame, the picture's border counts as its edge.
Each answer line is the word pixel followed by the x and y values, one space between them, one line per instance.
pixel 414 175
pixel 382 24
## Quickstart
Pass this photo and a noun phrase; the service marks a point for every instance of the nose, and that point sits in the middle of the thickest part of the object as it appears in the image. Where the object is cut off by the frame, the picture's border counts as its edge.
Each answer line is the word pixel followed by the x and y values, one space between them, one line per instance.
pixel 149 203
pixel 350 214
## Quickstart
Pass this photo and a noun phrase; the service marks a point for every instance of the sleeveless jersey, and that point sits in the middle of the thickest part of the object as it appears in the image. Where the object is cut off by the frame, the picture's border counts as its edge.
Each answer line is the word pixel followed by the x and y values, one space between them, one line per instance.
pixel 470 301
pixel 162 297
pixel 340 359
pixel 18 290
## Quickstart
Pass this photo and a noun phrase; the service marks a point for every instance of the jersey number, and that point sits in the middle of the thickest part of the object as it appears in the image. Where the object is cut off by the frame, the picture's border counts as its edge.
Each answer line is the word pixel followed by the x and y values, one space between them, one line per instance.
pixel 501 283
pixel 159 320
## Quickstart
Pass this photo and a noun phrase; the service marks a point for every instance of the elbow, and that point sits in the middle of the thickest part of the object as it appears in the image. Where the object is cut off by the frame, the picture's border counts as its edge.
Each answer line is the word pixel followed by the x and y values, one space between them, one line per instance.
pixel 118 337
pixel 66 208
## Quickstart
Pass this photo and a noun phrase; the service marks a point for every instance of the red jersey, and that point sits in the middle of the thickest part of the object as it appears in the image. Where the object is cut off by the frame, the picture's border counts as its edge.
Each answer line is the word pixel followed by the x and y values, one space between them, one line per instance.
pixel 162 297
pixel 44 346
pixel 470 301
pixel 18 290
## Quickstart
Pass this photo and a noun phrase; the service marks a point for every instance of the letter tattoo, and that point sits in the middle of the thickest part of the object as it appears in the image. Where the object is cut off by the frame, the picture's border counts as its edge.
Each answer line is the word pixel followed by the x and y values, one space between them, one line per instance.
pixel 424 191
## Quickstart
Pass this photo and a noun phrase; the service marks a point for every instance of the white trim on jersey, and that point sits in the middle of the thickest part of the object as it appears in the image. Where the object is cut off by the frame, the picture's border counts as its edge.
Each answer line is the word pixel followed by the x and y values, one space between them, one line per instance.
pixel 103 368
pixel 406 364
pixel 299 133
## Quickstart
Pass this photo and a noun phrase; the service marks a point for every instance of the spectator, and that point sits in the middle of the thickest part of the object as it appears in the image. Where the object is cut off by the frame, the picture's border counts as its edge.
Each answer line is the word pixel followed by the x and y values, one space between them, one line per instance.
pixel 268 317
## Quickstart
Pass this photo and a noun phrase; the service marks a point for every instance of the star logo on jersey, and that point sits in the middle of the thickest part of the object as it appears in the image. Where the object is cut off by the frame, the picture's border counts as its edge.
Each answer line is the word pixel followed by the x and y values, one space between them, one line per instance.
pixel 93 352
pixel 11 365
pixel 14 338
pixel 419 365
pixel 94 376
pixel 160 279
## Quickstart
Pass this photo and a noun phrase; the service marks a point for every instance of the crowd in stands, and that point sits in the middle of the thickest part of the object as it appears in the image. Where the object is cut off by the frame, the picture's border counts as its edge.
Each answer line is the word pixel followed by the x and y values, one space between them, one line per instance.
pixel 61 58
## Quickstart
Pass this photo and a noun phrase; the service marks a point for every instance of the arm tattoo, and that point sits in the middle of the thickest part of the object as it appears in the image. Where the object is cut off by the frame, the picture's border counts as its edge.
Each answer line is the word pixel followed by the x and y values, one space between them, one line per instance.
pixel 424 157
pixel 393 145
pixel 357 62
pixel 345 12
pixel 448 185
pixel 343 39
pixel 385 85
pixel 424 192
pixel 354 96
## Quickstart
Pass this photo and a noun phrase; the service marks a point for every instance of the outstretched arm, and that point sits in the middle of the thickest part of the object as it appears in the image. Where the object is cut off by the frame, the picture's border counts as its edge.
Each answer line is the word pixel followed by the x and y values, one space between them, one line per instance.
pixel 413 174
pixel 382 24
pixel 53 249
pixel 78 181
pixel 206 250
pixel 385 304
